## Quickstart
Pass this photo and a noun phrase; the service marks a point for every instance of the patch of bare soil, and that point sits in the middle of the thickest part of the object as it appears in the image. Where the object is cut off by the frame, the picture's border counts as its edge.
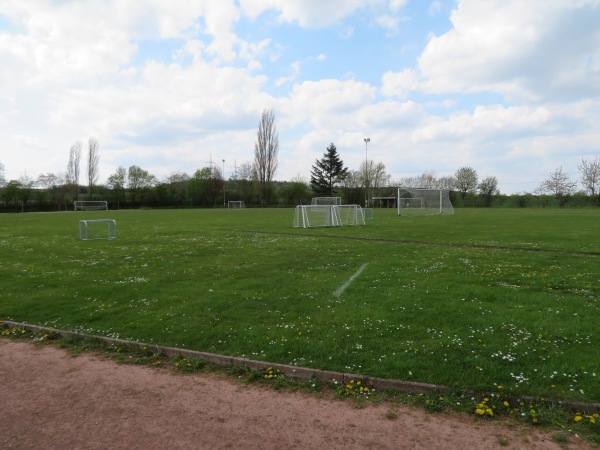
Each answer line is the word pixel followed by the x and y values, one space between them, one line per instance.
pixel 52 400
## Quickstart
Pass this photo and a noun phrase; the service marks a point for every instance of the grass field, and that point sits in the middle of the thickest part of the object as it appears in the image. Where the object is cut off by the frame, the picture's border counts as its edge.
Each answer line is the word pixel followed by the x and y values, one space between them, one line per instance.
pixel 472 301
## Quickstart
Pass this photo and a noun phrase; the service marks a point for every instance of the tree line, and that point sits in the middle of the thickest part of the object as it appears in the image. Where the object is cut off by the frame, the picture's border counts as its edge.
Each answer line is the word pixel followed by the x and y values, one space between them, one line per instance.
pixel 254 183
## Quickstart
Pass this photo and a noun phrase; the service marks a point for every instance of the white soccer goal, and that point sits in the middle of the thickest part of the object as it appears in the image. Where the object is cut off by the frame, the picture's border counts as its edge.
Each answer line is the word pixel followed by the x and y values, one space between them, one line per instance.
pixel 423 202
pixel 351 214
pixel 97 229
pixel 326 201
pixel 236 204
pixel 308 216
pixel 89 205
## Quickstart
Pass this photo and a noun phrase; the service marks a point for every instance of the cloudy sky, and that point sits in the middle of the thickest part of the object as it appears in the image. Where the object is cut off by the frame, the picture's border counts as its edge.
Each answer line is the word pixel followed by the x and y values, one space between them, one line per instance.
pixel 510 88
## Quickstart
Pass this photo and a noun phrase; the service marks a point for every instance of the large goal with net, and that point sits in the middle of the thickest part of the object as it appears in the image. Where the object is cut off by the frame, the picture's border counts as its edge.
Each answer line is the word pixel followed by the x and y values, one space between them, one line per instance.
pixel 89 205
pixel 423 202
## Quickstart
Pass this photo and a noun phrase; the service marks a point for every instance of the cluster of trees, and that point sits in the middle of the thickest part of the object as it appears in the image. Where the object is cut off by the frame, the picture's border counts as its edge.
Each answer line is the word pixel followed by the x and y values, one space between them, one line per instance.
pixel 253 182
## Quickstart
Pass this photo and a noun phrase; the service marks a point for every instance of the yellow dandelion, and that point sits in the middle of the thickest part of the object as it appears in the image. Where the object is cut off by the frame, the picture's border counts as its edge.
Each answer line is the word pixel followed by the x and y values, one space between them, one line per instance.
pixel 578 418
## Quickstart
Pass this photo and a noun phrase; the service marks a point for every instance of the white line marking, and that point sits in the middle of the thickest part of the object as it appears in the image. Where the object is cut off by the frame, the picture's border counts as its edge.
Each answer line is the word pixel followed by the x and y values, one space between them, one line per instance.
pixel 343 287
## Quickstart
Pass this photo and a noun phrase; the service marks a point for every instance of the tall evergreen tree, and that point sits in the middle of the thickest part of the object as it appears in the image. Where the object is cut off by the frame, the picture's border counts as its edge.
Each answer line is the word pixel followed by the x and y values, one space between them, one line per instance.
pixel 327 172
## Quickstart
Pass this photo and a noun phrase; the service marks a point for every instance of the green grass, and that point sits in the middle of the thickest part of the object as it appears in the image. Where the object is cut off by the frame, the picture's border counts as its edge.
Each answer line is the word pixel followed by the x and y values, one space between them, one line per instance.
pixel 475 300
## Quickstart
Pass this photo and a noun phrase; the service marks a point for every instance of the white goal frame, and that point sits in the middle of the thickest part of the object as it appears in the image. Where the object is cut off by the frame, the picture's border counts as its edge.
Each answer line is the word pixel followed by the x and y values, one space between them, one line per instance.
pixel 351 214
pixel 423 202
pixel 326 201
pixel 90 205
pixel 236 204
pixel 309 216
pixel 97 229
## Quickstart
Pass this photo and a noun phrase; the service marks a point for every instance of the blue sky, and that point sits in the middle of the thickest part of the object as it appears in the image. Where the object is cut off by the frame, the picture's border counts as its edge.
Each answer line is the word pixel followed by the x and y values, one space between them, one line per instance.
pixel 510 88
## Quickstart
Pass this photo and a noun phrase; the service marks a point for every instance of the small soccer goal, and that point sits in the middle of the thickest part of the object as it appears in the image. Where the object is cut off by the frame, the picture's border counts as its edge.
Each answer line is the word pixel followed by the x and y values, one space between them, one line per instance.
pixel 326 201
pixel 308 216
pixel 351 214
pixel 97 229
pixel 236 204
pixel 423 202
pixel 89 205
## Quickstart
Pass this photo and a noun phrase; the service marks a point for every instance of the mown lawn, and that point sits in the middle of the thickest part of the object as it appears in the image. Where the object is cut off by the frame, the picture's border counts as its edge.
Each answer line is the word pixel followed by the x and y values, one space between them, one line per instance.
pixel 474 300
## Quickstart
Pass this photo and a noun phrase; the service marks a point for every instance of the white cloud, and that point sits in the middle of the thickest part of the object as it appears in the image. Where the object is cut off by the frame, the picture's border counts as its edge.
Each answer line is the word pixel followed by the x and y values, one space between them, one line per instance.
pixel 307 13
pixel 399 84
pixel 532 50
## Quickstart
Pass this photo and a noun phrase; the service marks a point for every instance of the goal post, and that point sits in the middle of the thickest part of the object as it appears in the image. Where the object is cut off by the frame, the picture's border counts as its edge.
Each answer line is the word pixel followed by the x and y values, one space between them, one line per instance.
pixel 423 202
pixel 89 205
pixel 97 229
pixel 236 204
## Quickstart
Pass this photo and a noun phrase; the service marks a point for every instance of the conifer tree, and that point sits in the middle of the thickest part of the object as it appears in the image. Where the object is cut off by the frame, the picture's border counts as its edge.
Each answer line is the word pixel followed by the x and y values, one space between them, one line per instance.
pixel 327 172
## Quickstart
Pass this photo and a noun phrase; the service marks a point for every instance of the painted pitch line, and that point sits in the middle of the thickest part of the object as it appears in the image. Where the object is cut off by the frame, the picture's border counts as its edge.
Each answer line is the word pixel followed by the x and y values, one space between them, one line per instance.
pixel 343 287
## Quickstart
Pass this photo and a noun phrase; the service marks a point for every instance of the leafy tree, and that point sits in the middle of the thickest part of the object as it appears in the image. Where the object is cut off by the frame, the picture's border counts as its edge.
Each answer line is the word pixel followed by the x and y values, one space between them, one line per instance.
pixel 559 185
pixel 177 186
pixel 139 182
pixel 488 188
pixel 327 172
pixel 116 183
pixel 55 186
pixel 266 150
pixel 590 175
pixel 466 181
pixel 12 192
pixel 295 192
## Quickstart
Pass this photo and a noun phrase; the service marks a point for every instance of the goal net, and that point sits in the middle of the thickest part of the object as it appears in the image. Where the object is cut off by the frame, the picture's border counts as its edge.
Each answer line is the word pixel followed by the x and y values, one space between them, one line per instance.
pixel 88 205
pixel 423 202
pixel 97 229
pixel 326 201
pixel 236 204
pixel 351 214
pixel 307 216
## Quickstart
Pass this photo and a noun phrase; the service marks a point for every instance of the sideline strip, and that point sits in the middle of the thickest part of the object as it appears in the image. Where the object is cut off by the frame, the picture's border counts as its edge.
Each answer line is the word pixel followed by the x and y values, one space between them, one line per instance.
pixel 343 287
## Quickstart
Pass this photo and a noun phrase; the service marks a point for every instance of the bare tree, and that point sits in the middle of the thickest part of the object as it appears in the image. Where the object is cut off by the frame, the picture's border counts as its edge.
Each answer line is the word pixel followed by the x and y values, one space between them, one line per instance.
pixel 93 162
pixel 72 176
pixel 377 175
pixel 466 181
pixel 590 175
pixel 266 149
pixel 2 177
pixel 558 184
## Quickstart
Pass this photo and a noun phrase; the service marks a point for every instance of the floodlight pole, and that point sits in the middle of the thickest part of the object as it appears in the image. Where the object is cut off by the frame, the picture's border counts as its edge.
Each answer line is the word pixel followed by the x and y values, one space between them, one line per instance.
pixel 367 140
pixel 223 183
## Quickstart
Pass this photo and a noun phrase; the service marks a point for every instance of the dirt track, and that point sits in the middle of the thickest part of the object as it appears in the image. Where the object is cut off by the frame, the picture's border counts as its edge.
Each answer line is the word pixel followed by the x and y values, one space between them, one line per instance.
pixel 51 400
